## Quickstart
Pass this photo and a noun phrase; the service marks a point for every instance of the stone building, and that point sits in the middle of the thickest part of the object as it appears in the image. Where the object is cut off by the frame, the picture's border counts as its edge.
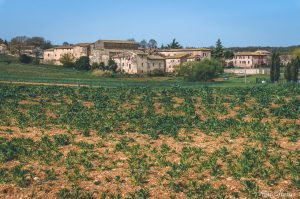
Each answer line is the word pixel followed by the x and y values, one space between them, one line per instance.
pixel 138 62
pixel 53 55
pixel 175 60
pixel 103 50
pixel 3 49
pixel 250 59
pixel 200 53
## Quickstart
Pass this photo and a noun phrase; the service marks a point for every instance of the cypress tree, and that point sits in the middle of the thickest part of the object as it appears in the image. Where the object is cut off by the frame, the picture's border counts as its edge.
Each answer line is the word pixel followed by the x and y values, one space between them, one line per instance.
pixel 288 72
pixel 295 69
pixel 275 67
pixel 218 52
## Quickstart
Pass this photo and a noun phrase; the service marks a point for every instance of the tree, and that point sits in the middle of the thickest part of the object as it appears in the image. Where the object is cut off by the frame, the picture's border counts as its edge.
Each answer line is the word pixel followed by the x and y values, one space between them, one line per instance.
pixel 65 43
pixel 174 45
pixel 275 67
pixel 228 54
pixel 162 46
pixel 295 65
pixel 218 52
pixel 112 65
pixel 17 44
pixel 144 43
pixel 67 60
pixel 152 43
pixel 131 39
pixel 296 53
pixel 204 70
pixel 288 72
pixel 1 41
pixel 83 63
pixel 25 59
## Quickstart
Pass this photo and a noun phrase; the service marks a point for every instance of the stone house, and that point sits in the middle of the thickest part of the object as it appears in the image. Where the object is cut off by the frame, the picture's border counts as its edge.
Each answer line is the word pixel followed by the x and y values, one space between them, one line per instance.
pixel 175 60
pixel 250 59
pixel 103 50
pixel 53 55
pixel 3 49
pixel 200 53
pixel 138 62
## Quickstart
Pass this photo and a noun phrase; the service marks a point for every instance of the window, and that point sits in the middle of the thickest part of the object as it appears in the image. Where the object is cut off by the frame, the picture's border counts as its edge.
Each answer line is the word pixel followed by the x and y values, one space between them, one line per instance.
pixel 123 64
pixel 142 64
pixel 153 64
pixel 129 66
pixel 159 64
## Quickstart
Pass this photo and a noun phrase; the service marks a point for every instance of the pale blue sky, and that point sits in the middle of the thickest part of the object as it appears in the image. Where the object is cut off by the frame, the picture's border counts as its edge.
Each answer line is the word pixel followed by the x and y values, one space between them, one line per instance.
pixel 192 22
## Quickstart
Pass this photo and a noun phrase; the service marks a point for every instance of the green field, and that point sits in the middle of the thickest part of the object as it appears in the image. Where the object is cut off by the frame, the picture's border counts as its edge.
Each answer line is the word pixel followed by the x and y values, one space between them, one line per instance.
pixel 132 143
pixel 58 75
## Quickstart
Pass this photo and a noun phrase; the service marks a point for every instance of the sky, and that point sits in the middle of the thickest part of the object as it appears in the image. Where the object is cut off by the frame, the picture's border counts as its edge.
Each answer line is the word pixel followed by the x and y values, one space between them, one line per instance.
pixel 194 23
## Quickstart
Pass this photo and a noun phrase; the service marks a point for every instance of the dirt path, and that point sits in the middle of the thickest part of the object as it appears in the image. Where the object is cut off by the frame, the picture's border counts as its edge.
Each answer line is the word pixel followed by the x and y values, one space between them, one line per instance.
pixel 44 83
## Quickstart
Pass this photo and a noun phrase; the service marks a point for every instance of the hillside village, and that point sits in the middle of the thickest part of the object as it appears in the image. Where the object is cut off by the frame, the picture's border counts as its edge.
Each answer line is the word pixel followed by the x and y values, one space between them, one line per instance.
pixel 132 58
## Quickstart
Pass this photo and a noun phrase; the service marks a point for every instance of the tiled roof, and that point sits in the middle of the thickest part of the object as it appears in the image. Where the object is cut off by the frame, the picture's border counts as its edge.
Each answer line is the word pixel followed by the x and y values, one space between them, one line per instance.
pixel 155 57
pixel 83 44
pixel 184 50
pixel 179 56
pixel 118 41
pixel 257 53
pixel 64 47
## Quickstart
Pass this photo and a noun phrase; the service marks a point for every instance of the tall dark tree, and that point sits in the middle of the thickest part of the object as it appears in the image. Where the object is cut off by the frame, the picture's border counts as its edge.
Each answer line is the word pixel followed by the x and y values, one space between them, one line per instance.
pixel 275 67
pixel 144 43
pixel 83 63
pixel 218 51
pixel 152 43
pixel 174 45
pixel 295 69
pixel 288 72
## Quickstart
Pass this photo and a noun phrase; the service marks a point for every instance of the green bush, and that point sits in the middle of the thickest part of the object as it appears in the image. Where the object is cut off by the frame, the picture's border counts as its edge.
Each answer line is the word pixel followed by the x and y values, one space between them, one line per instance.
pixel 158 72
pixel 25 59
pixel 204 70
pixel 83 63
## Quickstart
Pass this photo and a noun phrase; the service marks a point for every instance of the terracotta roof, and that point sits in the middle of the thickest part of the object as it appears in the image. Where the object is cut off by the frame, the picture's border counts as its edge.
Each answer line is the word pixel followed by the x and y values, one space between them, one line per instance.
pixel 155 57
pixel 50 49
pixel 257 53
pixel 64 47
pixel 118 41
pixel 184 50
pixel 179 56
pixel 83 44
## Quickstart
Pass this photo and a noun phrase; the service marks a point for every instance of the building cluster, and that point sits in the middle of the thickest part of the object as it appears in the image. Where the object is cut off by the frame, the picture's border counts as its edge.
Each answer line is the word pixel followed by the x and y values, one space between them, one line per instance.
pixel 133 59
pixel 128 55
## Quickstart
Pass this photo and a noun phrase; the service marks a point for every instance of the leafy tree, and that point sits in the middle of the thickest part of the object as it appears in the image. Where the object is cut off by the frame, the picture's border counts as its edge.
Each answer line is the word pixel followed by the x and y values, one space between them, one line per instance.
pixel 218 52
pixel 296 52
pixel 25 59
pixel 174 45
pixel 275 67
pixel 152 43
pixel 144 43
pixel 17 44
pixel 66 43
pixel 131 39
pixel 112 65
pixel 67 60
pixel 204 70
pixel 83 63
pixel 228 54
